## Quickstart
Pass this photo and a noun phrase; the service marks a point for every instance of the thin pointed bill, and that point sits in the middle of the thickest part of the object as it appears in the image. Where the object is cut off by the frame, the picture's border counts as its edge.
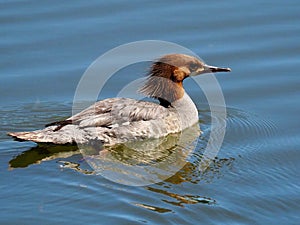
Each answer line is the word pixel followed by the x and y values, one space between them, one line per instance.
pixel 214 69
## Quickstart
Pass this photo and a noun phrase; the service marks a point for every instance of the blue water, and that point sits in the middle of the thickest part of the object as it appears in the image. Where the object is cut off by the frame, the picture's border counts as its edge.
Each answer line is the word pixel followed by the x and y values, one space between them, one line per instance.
pixel 47 45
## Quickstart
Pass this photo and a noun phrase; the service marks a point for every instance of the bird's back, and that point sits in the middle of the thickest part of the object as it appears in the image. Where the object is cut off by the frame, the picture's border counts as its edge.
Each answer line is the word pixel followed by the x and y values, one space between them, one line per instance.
pixel 111 121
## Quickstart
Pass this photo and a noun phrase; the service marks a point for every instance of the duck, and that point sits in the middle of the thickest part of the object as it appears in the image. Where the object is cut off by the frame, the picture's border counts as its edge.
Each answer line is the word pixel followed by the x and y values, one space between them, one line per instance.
pixel 119 120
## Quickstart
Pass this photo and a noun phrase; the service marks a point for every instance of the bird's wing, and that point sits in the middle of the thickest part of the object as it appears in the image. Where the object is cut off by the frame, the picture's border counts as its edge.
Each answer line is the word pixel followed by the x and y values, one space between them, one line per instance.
pixel 111 121
pixel 117 111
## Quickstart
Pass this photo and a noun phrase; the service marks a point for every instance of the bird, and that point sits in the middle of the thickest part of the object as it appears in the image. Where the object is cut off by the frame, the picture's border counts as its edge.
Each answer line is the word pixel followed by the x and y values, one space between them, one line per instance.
pixel 119 120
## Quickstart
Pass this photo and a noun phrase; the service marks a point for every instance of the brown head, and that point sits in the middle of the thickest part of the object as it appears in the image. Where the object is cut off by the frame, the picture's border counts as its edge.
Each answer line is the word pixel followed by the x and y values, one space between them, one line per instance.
pixel 167 74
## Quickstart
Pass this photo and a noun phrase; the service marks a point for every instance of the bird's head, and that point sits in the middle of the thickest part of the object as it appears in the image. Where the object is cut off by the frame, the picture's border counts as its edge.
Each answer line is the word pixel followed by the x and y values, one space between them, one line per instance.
pixel 167 74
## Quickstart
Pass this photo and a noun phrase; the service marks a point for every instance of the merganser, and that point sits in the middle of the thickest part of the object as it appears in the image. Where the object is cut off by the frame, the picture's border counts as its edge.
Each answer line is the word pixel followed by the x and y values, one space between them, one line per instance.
pixel 119 120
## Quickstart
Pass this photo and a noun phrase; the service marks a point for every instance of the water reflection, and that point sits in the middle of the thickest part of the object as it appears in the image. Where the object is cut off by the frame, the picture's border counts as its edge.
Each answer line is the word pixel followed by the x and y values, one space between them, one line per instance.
pixel 76 167
pixel 182 199
pixel 153 208
pixel 42 152
pixel 171 161
pixel 170 153
pixel 189 173
pixel 193 174
pixel 143 162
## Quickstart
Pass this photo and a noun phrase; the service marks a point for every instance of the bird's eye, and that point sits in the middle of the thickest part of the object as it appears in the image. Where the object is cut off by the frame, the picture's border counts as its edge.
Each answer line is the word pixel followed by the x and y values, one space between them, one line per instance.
pixel 193 66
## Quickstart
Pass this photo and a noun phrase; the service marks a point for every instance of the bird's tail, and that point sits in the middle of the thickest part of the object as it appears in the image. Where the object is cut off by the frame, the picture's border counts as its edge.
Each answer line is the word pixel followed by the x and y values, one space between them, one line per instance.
pixel 47 135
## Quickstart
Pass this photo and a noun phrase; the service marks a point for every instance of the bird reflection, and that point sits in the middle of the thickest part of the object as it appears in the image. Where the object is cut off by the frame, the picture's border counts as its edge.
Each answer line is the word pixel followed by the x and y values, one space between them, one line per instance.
pixel 174 147
pixel 168 161
pixel 172 159
pixel 142 162
pixel 42 152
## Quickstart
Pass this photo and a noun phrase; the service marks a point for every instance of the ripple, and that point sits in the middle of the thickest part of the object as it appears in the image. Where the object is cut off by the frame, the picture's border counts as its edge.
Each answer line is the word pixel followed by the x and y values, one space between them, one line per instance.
pixel 75 166
pixel 31 116
pixel 153 208
pixel 244 131
pixel 180 200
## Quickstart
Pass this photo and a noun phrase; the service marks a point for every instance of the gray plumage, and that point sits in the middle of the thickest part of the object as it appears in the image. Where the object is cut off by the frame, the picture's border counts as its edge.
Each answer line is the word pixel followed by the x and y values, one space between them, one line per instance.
pixel 118 120
pixel 110 121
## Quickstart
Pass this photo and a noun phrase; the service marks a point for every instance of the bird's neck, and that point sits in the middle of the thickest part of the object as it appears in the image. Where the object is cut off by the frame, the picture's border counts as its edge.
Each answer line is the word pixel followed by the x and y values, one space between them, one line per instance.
pixel 163 89
pixel 186 110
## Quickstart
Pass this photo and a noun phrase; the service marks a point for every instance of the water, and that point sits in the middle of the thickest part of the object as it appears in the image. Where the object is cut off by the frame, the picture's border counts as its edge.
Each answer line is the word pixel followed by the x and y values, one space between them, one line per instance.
pixel 45 48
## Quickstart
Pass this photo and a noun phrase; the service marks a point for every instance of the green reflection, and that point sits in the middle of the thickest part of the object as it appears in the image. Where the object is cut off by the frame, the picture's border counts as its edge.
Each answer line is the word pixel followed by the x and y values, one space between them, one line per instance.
pixel 42 152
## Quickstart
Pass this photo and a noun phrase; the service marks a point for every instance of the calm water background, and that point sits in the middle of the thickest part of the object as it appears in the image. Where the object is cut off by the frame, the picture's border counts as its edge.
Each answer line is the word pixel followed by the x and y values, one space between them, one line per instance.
pixel 47 45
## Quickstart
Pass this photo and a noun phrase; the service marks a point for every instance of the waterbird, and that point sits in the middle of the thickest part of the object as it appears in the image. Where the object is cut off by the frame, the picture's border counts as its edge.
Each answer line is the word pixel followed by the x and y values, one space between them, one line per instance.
pixel 118 120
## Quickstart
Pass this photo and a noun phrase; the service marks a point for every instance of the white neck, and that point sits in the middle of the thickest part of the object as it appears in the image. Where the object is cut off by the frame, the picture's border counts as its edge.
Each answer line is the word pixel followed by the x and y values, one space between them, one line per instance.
pixel 186 110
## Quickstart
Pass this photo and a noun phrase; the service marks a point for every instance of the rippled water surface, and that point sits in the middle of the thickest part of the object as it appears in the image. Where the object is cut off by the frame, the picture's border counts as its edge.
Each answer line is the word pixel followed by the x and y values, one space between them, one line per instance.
pixel 47 45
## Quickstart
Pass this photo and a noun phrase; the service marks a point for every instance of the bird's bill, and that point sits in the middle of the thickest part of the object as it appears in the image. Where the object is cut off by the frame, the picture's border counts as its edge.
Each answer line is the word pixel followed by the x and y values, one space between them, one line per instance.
pixel 214 69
